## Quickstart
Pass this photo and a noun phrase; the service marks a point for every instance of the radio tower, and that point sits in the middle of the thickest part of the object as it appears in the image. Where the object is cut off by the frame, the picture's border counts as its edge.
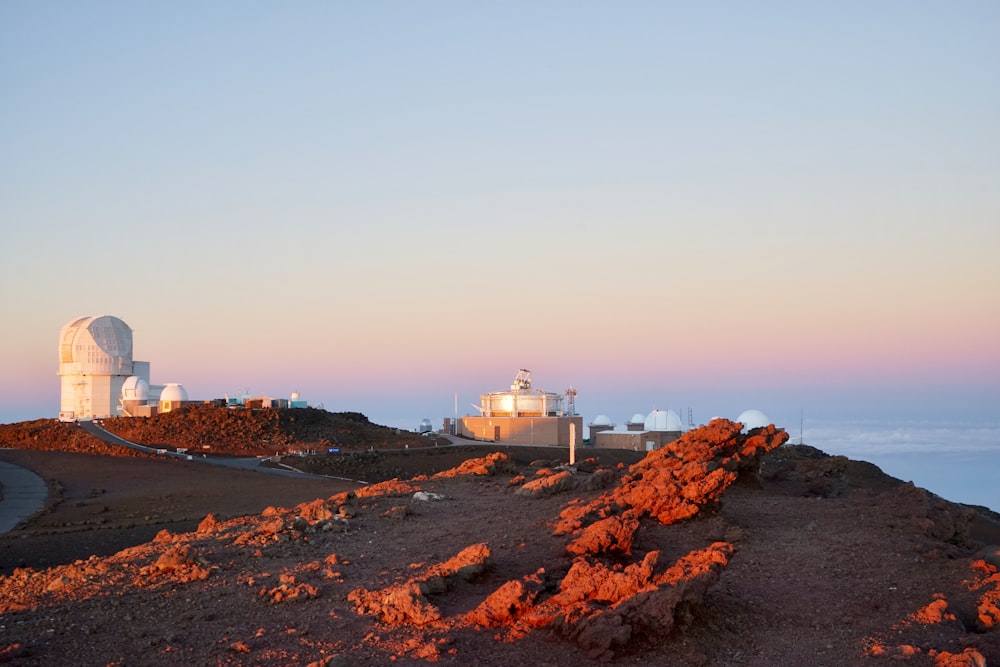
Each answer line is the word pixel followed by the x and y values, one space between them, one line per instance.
pixel 570 395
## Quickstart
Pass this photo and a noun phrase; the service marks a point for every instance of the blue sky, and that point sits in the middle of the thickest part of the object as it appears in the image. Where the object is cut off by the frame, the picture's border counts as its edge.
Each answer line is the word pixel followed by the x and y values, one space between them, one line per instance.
pixel 721 205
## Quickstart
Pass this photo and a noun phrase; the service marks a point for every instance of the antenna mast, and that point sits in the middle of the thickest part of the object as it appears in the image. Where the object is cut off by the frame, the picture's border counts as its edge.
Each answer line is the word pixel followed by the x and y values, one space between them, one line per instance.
pixel 570 395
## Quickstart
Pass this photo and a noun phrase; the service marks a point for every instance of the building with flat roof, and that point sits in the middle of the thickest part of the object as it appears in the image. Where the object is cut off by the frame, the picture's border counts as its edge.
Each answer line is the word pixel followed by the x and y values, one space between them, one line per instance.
pixel 525 416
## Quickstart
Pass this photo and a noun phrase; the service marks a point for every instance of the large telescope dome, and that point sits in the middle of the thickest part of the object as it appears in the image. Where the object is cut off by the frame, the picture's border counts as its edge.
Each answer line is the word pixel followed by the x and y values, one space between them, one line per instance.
pixel 96 345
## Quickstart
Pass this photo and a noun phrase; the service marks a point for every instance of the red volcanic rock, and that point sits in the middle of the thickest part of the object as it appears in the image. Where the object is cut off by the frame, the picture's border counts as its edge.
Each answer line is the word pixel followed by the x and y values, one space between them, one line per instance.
pixel 392 488
pixel 988 604
pixel 407 602
pixel 611 535
pixel 266 531
pixel 507 604
pixel 466 565
pixel 316 510
pixel 179 563
pixel 651 611
pixel 209 524
pixel 575 514
pixel 395 605
pixel 676 481
pixel 547 485
pixel 970 657
pixel 485 466
pixel 935 612
pixel 289 590
pixel 602 608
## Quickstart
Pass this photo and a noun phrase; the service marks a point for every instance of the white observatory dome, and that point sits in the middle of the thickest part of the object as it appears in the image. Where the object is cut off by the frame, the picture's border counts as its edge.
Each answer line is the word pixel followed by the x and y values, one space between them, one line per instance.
pixel 99 345
pixel 637 418
pixel 135 389
pixel 752 419
pixel 602 420
pixel 663 420
pixel 425 426
pixel 173 392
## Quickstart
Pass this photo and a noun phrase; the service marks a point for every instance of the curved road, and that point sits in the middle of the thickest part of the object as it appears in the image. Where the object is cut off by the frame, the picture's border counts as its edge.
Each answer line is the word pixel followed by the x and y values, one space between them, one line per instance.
pixel 241 463
pixel 24 493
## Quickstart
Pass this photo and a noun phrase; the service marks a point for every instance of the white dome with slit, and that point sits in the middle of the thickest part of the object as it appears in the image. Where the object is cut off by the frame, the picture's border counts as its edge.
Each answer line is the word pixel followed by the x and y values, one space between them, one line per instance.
pixel 663 420
pixel 602 420
pixel 135 389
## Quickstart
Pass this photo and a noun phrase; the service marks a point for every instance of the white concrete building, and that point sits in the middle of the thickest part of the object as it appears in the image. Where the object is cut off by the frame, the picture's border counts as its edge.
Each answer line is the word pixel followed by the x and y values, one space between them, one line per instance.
pixel 95 360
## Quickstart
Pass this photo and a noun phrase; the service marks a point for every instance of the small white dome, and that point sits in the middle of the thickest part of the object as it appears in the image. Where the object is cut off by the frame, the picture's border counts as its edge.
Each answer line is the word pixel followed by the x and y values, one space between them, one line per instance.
pixel 173 392
pixel 135 389
pixel 637 418
pixel 752 419
pixel 663 420
pixel 602 420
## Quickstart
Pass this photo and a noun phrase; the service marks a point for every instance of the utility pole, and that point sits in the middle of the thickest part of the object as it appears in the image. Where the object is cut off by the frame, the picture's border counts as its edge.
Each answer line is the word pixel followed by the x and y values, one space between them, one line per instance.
pixel 572 443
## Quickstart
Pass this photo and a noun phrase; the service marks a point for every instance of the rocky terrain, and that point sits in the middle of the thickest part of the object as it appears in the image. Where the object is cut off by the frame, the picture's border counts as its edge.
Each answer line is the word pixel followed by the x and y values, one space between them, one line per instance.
pixel 214 430
pixel 722 548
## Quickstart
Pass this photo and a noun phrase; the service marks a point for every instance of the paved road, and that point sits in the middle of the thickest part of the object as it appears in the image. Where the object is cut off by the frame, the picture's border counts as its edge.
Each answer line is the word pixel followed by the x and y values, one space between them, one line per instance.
pixel 24 493
pixel 252 464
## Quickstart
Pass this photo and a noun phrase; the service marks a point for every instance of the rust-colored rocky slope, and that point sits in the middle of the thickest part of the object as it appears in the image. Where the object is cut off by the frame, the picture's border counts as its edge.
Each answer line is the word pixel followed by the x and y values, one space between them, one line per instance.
pixel 723 548
pixel 218 430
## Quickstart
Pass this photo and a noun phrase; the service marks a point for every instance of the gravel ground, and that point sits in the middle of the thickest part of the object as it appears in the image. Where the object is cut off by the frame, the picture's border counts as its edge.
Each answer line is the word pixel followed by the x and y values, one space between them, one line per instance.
pixel 833 564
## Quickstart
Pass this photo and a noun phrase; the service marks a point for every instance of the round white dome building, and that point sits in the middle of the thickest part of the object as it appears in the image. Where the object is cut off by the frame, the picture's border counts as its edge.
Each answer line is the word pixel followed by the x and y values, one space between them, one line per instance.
pixel 135 389
pixel 637 418
pixel 602 420
pixel 172 397
pixel 663 420
pixel 95 359
pixel 752 419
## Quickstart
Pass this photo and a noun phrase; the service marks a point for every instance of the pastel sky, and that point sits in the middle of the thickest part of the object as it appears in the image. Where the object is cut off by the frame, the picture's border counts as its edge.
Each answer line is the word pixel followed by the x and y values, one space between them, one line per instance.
pixel 787 206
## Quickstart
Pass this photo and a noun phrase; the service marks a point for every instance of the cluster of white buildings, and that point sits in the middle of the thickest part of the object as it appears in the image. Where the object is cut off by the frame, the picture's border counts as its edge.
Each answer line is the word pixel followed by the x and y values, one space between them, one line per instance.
pixel 527 416
pixel 99 378
pixel 652 431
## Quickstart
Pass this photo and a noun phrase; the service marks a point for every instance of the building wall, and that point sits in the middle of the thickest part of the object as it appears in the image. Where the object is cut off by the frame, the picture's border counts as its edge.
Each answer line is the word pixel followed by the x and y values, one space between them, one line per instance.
pixel 634 440
pixel 91 396
pixel 522 430
pixel 595 429
pixel 141 369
